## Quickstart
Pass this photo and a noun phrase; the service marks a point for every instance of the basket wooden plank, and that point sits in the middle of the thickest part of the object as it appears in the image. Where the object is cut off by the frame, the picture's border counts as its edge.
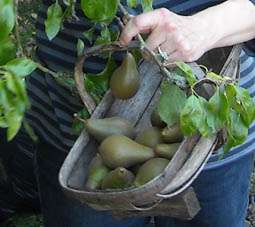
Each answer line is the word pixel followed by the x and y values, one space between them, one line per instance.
pixel 177 176
pixel 182 206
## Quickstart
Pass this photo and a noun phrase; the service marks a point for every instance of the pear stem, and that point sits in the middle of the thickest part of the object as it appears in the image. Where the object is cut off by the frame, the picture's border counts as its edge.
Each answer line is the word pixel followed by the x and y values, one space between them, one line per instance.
pixel 79 118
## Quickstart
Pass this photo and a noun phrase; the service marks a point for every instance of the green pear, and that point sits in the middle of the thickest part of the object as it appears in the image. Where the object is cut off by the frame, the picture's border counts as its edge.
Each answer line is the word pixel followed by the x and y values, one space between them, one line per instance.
pixel 125 80
pixel 120 150
pixel 166 150
pixel 102 128
pixel 149 170
pixel 150 137
pixel 172 134
pixel 118 178
pixel 97 172
pixel 156 119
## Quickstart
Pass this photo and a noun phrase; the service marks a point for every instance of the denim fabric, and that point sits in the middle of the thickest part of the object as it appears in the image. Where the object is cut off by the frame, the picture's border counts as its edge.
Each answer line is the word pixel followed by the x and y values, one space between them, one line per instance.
pixel 223 193
pixel 23 195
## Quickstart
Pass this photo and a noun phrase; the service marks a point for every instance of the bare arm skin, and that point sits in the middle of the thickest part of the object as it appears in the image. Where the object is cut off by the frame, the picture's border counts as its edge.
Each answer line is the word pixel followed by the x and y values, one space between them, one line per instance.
pixel 186 38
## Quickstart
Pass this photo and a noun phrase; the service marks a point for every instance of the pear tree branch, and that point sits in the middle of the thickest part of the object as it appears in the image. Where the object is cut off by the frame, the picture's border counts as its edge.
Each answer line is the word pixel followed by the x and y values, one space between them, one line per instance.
pixel 116 46
pixel 178 80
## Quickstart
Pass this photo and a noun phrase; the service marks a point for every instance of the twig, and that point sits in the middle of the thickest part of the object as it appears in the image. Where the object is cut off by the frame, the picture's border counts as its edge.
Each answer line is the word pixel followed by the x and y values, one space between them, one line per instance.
pixel 121 25
pixel 20 51
pixel 79 118
pixel 46 70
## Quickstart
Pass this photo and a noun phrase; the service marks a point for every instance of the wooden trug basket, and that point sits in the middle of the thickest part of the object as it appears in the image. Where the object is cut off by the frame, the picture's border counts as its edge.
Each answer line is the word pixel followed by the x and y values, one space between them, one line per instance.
pixel 170 193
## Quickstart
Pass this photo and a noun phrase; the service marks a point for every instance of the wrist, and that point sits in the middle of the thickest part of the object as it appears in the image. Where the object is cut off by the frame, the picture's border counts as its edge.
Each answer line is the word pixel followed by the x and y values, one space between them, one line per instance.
pixel 229 23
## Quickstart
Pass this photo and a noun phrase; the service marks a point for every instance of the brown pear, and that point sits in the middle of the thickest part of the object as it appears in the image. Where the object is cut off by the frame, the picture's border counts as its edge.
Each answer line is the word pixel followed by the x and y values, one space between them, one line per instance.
pixel 102 128
pixel 125 80
pixel 172 134
pixel 150 137
pixel 97 172
pixel 166 150
pixel 118 178
pixel 149 170
pixel 119 150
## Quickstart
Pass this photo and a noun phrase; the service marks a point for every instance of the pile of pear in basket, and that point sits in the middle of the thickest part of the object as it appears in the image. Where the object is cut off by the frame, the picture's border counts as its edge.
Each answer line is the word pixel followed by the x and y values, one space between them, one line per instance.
pixel 128 162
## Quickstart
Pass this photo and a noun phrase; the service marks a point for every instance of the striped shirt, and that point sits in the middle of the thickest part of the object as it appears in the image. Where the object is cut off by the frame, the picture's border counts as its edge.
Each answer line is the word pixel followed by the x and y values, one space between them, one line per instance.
pixel 53 106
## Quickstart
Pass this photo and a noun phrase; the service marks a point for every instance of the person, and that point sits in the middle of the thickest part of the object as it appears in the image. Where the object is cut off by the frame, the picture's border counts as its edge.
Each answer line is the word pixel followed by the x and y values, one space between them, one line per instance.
pixel 184 30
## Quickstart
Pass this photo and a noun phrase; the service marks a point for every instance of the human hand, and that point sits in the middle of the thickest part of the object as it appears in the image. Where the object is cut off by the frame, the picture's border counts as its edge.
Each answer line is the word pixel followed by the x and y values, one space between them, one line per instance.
pixel 182 38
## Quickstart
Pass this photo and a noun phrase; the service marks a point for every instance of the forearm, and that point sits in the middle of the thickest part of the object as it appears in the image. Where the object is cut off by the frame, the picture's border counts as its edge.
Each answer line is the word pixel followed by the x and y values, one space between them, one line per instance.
pixel 229 23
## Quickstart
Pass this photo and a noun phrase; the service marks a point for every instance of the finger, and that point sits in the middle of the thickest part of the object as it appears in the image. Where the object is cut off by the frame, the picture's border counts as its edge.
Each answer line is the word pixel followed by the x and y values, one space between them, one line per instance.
pixel 175 56
pixel 155 39
pixel 180 56
pixel 168 48
pixel 142 22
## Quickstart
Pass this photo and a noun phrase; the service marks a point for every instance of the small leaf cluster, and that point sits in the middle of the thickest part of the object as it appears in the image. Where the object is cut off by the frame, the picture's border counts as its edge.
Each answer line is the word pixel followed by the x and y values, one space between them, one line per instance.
pixel 230 107
pixel 13 96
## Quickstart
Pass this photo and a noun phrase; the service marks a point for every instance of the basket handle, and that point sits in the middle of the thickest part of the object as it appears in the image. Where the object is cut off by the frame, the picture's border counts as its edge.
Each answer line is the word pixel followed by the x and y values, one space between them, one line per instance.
pixel 147 206
pixel 232 64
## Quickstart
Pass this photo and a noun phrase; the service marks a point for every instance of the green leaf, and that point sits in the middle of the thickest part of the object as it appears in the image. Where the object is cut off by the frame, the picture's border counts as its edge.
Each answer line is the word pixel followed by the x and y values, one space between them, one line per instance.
pixel 171 103
pixel 21 91
pixel 218 109
pixel 237 131
pixel 105 37
pixel 89 34
pixel 30 131
pixel 231 94
pixel 193 116
pixel 132 3
pixel 78 126
pixel 3 123
pixel 243 97
pixel 21 66
pixel 6 98
pixel 100 11
pixel 20 98
pixel 204 128
pixel 147 5
pixel 7 17
pixel 80 47
pixel 14 121
pixel 99 83
pixel 191 77
pixel 68 11
pixel 54 20
pixel 7 50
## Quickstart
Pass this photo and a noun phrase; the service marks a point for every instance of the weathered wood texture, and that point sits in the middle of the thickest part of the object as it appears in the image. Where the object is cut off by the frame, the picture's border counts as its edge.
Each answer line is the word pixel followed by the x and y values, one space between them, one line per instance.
pixel 169 189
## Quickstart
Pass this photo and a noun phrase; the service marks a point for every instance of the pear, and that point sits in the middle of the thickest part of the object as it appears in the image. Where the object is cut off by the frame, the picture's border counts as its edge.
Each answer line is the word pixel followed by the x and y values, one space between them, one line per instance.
pixel 97 172
pixel 156 119
pixel 118 178
pixel 125 80
pixel 172 134
pixel 120 150
pixel 102 128
pixel 166 150
pixel 150 137
pixel 149 170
